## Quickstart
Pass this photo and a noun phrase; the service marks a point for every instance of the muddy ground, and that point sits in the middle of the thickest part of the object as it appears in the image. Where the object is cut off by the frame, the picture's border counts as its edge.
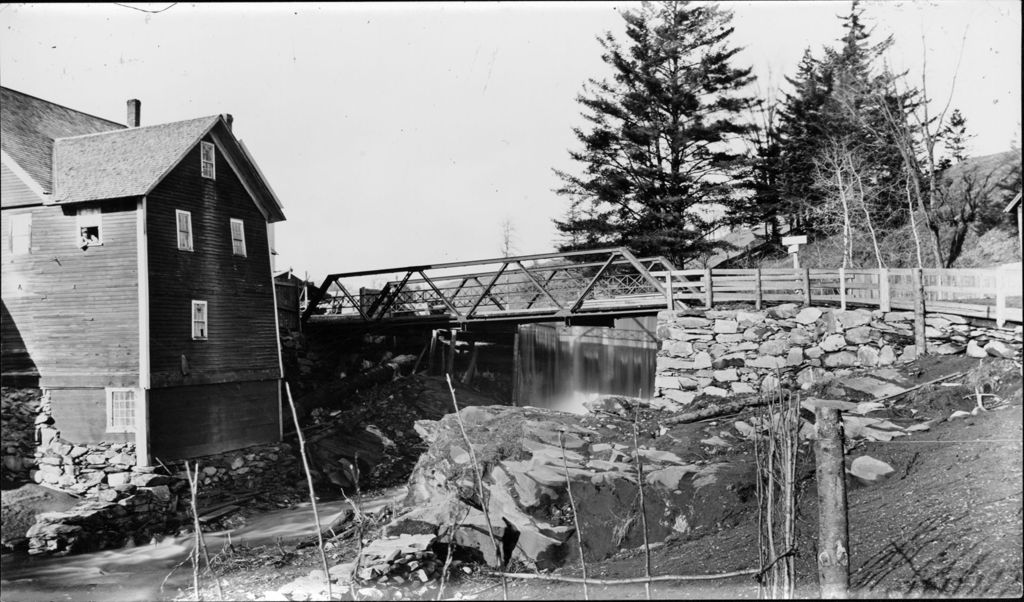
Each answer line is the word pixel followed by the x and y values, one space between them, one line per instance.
pixel 946 523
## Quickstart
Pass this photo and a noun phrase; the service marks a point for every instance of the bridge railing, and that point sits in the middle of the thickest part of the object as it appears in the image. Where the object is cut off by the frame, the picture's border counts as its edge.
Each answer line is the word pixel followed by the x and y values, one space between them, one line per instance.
pixel 993 293
pixel 553 284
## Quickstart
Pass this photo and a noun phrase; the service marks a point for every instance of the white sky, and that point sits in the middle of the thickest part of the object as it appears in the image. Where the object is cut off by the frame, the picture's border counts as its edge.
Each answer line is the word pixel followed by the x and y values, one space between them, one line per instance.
pixel 406 133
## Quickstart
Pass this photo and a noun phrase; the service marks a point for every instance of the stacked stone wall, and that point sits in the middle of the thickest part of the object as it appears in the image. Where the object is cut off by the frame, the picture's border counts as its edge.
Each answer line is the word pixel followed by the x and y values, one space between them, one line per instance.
pixel 740 351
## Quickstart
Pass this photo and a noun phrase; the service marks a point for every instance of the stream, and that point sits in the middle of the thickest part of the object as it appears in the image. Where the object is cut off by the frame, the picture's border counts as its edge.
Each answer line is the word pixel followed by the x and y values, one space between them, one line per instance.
pixel 136 573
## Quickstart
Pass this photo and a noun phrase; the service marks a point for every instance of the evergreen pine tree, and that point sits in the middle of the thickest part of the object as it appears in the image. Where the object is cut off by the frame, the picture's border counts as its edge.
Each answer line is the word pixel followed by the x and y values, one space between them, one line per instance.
pixel 955 140
pixel 654 153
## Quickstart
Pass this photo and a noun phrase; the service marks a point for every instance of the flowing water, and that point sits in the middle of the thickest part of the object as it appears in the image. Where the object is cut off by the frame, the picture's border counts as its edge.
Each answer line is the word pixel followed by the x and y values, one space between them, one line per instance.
pixel 137 573
pixel 560 367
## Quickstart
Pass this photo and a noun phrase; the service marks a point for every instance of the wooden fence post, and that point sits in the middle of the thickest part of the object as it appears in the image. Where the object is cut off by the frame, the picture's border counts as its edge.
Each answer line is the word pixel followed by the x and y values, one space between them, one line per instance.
pixel 884 295
pixel 1002 283
pixel 758 293
pixel 709 297
pixel 806 276
pixel 920 339
pixel 833 524
pixel 842 289
pixel 668 290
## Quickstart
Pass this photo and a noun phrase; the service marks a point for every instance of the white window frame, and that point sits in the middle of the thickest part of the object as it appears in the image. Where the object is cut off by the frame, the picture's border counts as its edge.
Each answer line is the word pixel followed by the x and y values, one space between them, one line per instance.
pixel 178 213
pixel 208 160
pixel 128 427
pixel 200 334
pixel 89 217
pixel 238 250
pixel 20 243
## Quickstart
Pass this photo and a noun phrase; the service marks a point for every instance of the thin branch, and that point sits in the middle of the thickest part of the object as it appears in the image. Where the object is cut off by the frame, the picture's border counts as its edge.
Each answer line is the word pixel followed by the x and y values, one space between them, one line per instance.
pixel 312 492
pixel 479 485
pixel 575 515
pixel 643 509
pixel 143 10
pixel 629 581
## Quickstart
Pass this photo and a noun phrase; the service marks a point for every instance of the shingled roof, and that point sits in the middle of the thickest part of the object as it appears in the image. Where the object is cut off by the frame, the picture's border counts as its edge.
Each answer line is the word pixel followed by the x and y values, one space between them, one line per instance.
pixel 122 163
pixel 30 126
pixel 82 158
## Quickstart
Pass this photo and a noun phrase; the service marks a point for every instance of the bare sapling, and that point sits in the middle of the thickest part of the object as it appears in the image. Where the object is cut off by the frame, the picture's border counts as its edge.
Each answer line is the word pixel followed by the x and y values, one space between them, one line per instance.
pixel 643 506
pixel 194 555
pixel 575 515
pixel 775 452
pixel 312 492
pixel 193 481
pixel 479 487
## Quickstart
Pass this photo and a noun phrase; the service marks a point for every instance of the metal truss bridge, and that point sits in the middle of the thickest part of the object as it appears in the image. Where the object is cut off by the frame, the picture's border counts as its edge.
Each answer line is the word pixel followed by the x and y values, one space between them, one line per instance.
pixel 577 287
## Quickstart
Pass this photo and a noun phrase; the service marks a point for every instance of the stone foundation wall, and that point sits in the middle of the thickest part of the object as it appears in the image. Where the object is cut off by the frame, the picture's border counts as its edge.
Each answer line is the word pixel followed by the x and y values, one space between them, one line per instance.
pixel 18 411
pixel 725 352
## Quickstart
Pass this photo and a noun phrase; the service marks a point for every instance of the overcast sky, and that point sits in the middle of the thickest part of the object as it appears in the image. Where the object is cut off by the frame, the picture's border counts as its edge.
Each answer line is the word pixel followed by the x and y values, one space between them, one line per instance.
pixel 406 133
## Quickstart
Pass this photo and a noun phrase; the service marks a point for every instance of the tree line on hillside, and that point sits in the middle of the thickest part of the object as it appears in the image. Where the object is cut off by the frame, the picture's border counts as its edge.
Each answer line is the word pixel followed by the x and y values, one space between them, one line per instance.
pixel 676 148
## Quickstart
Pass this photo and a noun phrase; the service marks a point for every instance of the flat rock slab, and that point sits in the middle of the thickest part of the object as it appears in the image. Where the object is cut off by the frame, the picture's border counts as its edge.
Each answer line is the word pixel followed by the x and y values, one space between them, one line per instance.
pixel 872 386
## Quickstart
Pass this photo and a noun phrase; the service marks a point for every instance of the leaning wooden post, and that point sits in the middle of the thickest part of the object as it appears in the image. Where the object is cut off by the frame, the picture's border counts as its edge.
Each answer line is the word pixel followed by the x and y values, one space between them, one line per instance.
pixel 709 297
pixel 758 292
pixel 833 525
pixel 806 277
pixel 430 354
pixel 452 337
pixel 920 338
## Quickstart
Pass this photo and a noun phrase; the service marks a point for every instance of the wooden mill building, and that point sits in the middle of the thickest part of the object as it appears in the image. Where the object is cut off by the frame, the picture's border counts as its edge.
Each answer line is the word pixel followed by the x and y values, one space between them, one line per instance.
pixel 137 278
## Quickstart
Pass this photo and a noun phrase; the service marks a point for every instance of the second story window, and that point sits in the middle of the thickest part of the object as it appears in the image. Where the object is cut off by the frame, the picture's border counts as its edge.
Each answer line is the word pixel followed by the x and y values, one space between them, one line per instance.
pixel 90 227
pixel 184 229
pixel 199 320
pixel 208 160
pixel 237 237
pixel 20 236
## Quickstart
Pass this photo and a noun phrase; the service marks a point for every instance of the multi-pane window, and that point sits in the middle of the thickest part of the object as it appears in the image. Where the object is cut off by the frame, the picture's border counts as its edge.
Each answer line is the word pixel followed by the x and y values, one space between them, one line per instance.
pixel 89 227
pixel 184 229
pixel 208 160
pixel 20 236
pixel 237 237
pixel 120 410
pixel 199 320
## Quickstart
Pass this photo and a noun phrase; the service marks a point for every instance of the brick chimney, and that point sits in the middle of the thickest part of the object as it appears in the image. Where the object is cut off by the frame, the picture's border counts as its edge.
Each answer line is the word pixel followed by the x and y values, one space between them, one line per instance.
pixel 228 119
pixel 134 113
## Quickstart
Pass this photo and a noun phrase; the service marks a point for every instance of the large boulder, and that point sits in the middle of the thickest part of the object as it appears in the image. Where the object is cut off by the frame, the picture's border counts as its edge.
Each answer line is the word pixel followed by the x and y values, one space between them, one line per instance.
pixel 21 506
pixel 524 473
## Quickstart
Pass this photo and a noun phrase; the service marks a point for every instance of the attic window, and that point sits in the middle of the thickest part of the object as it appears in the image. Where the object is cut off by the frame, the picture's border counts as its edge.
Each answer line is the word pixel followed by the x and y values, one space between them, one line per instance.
pixel 20 236
pixel 89 227
pixel 199 320
pixel 208 160
pixel 184 219
pixel 120 410
pixel 237 237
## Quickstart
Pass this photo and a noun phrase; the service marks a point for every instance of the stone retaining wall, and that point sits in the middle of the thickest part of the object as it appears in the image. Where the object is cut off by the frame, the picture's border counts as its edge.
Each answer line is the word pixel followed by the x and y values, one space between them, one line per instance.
pixel 725 352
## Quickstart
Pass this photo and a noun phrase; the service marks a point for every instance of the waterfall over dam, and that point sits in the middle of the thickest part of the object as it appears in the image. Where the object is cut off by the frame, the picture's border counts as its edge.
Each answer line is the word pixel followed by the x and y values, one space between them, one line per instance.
pixel 560 367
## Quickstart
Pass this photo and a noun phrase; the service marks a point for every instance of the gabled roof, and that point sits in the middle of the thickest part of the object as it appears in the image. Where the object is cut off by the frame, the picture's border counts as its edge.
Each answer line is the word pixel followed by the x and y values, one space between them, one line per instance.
pixel 30 125
pixel 122 163
pixel 83 158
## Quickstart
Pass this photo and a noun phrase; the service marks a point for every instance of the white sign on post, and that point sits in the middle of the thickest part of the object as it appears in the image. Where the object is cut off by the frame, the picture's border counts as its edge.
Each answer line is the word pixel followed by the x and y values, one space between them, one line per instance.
pixel 793 246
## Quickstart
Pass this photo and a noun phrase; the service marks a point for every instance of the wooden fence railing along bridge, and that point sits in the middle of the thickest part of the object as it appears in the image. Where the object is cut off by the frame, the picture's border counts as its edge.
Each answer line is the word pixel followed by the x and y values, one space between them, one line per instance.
pixel 615 283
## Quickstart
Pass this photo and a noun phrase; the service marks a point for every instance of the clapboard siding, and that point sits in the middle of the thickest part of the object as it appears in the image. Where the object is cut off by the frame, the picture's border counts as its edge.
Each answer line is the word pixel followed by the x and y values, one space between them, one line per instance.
pixel 14 192
pixel 73 313
pixel 81 416
pixel 200 420
pixel 242 337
